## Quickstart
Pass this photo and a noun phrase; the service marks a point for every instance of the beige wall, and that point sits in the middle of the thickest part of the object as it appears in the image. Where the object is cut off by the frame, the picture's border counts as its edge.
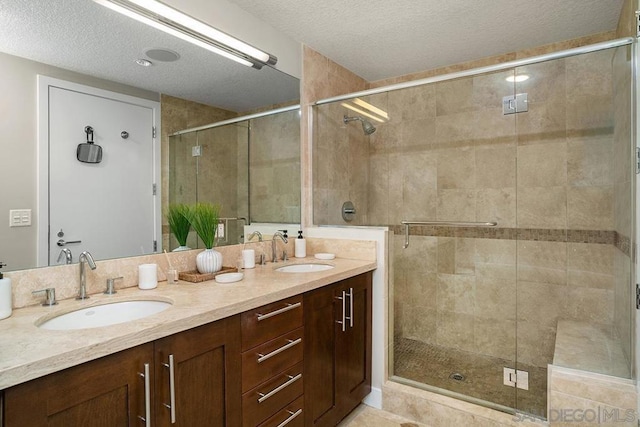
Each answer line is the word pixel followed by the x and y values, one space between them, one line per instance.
pixel 18 148
pixel 547 176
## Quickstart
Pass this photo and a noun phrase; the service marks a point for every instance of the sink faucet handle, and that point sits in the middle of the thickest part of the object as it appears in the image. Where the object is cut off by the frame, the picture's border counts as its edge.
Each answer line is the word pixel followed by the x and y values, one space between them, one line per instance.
pixel 110 285
pixel 50 296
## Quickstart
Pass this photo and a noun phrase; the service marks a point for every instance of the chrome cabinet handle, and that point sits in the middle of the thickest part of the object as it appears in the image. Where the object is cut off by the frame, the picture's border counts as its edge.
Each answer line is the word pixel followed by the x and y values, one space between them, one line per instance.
pixel 291 343
pixel 343 322
pixel 147 396
pixel 279 311
pixel 288 420
pixel 62 242
pixel 350 308
pixel 291 380
pixel 172 389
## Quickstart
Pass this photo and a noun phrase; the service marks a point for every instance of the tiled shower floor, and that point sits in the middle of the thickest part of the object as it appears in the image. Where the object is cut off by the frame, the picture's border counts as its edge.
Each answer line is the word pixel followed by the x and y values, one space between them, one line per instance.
pixel 432 365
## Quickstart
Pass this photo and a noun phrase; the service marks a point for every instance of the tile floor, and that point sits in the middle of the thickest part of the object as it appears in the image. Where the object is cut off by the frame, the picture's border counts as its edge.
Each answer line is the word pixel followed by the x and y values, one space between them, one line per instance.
pixel 366 416
pixel 483 377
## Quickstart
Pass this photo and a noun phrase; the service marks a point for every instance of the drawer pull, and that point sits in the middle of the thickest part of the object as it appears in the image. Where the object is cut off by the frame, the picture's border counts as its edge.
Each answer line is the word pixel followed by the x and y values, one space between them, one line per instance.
pixel 288 420
pixel 343 322
pixel 172 389
pixel 279 311
pixel 291 343
pixel 147 397
pixel 291 380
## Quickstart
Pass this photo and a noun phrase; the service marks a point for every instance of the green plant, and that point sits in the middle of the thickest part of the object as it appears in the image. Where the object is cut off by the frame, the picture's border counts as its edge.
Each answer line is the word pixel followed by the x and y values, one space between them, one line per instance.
pixel 178 218
pixel 204 219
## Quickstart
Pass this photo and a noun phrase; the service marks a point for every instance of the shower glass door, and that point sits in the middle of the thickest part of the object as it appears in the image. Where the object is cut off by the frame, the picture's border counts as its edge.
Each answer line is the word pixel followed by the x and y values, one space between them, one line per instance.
pixel 545 150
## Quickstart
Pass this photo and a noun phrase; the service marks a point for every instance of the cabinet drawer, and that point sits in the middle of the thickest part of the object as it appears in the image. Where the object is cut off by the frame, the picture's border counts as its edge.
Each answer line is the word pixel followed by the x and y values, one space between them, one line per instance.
pixel 268 398
pixel 290 416
pixel 263 362
pixel 270 321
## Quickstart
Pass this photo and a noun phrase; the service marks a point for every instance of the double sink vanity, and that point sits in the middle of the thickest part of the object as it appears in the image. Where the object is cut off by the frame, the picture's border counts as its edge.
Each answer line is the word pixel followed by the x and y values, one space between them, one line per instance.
pixel 277 348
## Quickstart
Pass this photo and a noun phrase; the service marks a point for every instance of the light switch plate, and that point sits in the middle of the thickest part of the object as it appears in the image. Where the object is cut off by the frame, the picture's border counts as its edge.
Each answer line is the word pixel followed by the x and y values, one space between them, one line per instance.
pixel 509 377
pixel 19 217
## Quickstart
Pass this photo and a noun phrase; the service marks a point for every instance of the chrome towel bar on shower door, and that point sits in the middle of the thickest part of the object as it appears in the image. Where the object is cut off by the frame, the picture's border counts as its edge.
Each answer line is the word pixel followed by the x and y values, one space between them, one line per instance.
pixel 442 224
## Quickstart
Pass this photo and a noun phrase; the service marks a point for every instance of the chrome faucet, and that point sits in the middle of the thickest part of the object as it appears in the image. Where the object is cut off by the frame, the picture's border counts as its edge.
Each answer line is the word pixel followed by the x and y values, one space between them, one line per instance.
pixel 66 252
pixel 274 245
pixel 254 234
pixel 84 257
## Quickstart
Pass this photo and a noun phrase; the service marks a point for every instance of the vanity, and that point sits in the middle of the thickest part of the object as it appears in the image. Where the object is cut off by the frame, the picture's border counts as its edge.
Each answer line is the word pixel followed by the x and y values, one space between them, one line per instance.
pixel 274 349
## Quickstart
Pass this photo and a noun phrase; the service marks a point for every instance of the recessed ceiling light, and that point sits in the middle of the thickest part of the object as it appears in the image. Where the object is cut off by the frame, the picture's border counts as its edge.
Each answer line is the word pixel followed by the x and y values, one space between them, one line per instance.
pixel 517 78
pixel 144 62
pixel 162 55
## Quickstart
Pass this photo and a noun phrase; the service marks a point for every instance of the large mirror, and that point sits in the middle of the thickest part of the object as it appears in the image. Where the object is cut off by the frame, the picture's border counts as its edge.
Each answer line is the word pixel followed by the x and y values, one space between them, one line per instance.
pixel 82 42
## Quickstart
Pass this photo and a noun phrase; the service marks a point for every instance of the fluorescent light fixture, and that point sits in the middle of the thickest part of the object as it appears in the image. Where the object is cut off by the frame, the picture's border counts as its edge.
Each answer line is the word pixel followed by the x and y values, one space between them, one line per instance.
pixel 171 21
pixel 517 78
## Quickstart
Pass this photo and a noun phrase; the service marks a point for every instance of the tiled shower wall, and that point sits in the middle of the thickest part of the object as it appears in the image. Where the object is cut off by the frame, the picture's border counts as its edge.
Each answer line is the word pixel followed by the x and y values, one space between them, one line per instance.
pixel 275 168
pixel 547 176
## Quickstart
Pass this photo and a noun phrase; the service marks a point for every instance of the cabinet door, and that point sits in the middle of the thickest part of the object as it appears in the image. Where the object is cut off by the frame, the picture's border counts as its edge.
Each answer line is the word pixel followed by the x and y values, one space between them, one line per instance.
pixel 198 376
pixel 337 353
pixel 105 392
pixel 353 346
pixel 320 330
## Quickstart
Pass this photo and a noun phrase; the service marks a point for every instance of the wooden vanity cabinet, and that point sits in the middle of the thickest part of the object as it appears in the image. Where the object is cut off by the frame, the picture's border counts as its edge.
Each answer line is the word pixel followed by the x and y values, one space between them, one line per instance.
pixel 272 368
pixel 201 367
pixel 110 391
pixel 105 392
pixel 337 351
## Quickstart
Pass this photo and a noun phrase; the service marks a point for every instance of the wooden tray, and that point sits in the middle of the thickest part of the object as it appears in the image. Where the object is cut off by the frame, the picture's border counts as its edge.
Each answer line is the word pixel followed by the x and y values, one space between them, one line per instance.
pixel 195 277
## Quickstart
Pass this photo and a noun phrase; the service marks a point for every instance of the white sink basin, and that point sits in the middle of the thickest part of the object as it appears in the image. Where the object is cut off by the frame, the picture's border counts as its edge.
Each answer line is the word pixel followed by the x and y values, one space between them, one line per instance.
pixel 304 268
pixel 105 315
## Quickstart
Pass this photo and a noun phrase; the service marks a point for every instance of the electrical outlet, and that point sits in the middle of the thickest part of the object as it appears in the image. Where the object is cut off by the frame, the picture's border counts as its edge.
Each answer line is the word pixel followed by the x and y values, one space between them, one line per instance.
pixel 221 230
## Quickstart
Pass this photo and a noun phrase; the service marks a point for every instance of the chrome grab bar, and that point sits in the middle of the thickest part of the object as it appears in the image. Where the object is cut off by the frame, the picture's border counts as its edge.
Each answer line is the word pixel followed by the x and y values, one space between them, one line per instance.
pixel 442 224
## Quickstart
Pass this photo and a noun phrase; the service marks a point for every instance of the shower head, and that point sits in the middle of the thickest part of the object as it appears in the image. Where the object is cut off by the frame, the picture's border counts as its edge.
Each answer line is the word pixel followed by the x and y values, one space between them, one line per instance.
pixel 367 127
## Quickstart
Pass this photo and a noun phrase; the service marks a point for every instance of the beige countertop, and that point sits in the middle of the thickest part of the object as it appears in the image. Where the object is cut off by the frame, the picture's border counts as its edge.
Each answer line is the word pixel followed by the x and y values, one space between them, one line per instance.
pixel 28 352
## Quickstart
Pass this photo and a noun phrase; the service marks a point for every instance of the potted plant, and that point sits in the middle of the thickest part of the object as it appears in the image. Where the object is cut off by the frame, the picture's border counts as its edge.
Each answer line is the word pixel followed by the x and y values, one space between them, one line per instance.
pixel 178 218
pixel 204 218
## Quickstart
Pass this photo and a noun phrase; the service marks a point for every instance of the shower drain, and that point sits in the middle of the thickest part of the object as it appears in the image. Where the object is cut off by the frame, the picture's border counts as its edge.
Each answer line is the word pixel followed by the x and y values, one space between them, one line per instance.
pixel 456 376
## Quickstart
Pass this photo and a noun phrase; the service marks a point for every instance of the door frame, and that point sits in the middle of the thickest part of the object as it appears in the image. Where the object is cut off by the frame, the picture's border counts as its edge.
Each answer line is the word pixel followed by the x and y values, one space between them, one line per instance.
pixel 42 156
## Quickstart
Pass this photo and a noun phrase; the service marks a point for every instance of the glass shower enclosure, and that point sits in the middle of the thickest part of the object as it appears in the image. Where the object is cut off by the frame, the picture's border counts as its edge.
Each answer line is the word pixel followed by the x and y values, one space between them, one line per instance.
pixel 544 151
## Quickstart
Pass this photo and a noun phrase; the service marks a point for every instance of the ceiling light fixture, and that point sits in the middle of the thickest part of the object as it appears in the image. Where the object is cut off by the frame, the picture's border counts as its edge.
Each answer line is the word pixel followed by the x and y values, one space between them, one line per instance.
pixel 171 21
pixel 517 78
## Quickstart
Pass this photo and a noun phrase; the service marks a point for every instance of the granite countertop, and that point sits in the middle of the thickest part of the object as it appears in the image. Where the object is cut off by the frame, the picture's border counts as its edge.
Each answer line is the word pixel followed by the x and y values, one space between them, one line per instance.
pixel 28 352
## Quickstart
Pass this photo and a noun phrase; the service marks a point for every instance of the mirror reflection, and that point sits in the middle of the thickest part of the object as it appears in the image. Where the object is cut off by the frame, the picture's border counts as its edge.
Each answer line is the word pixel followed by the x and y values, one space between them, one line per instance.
pixel 250 166
pixel 53 39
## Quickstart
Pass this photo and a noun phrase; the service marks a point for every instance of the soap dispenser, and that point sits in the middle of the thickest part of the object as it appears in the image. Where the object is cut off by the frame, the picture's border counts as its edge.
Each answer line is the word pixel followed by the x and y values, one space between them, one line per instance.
pixel 5 295
pixel 300 246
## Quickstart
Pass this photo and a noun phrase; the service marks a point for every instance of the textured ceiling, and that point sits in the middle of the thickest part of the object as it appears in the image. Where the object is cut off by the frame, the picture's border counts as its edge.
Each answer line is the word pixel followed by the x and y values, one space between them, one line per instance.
pixel 378 39
pixel 375 39
pixel 82 36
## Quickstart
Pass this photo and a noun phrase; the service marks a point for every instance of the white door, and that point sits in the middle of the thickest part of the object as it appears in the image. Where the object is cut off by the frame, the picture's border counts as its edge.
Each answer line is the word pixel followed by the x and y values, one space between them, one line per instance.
pixel 107 206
